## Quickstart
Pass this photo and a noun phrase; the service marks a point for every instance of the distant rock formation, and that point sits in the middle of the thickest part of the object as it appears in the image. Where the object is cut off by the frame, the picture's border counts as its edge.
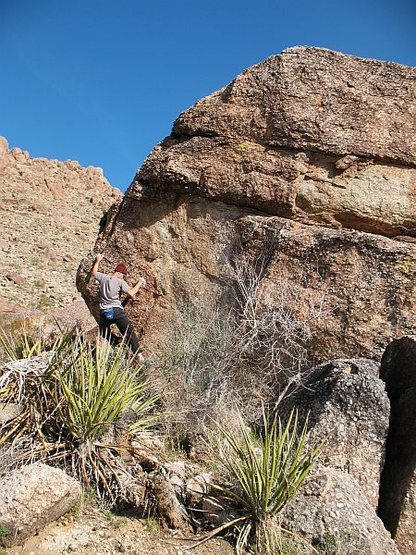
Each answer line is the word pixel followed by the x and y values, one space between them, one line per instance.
pixel 50 214
pixel 305 160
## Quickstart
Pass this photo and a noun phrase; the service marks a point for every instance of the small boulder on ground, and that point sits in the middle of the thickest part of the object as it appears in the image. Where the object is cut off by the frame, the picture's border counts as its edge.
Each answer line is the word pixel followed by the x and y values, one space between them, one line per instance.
pixel 31 497
pixel 16 278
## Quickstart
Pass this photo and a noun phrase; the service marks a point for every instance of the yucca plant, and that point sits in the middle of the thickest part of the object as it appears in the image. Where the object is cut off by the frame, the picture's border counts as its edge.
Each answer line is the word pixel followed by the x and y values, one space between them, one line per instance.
pixel 265 472
pixel 93 386
pixel 68 401
pixel 19 345
pixel 23 345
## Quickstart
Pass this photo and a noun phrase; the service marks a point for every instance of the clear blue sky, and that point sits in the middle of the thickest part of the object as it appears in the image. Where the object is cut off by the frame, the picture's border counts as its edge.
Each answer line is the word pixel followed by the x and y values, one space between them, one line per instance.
pixel 101 81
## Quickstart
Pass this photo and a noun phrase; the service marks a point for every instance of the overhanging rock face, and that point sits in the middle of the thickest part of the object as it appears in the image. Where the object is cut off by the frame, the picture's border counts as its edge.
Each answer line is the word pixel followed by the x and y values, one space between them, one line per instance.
pixel 311 135
pixel 307 162
pixel 318 100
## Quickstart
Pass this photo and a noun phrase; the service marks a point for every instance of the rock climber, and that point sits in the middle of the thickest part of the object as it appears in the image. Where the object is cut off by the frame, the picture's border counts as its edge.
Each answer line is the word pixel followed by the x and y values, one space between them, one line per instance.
pixel 112 286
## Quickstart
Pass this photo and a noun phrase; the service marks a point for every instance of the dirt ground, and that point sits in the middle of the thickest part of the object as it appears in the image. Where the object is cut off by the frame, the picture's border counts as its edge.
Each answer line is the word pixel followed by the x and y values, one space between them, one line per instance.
pixel 94 532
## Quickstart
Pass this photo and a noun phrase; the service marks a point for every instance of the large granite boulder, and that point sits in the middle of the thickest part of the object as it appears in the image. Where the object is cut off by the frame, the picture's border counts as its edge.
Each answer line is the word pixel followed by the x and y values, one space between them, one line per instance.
pixel 311 134
pixel 315 99
pixel 357 288
pixel 305 161
pixel 368 423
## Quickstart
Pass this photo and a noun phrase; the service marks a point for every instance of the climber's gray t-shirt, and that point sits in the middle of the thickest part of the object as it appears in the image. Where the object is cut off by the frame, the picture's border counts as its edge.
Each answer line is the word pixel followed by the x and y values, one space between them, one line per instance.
pixel 110 290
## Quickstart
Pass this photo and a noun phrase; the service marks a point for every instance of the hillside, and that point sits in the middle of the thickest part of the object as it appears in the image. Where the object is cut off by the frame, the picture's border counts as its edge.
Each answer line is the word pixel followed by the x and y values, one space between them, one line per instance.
pixel 50 213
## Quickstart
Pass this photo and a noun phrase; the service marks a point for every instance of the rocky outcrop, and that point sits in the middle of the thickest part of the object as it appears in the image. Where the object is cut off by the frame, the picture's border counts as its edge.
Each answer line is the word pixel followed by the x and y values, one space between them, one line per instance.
pixel 368 425
pixel 318 100
pixel 305 161
pixel 31 497
pixel 346 406
pixel 50 214
pixel 358 286
pixel 313 135
pixel 310 187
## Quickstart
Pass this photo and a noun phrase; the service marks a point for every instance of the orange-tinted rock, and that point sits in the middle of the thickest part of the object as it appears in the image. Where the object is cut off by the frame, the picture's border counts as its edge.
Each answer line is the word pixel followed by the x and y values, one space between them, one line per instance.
pixel 16 278
pixel 306 160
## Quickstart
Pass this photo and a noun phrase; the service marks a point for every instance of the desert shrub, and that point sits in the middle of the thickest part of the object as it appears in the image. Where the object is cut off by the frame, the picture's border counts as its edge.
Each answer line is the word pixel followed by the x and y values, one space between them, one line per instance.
pixel 243 353
pixel 92 387
pixel 193 372
pixel 274 335
pixel 265 471
pixel 20 345
pixel 67 401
